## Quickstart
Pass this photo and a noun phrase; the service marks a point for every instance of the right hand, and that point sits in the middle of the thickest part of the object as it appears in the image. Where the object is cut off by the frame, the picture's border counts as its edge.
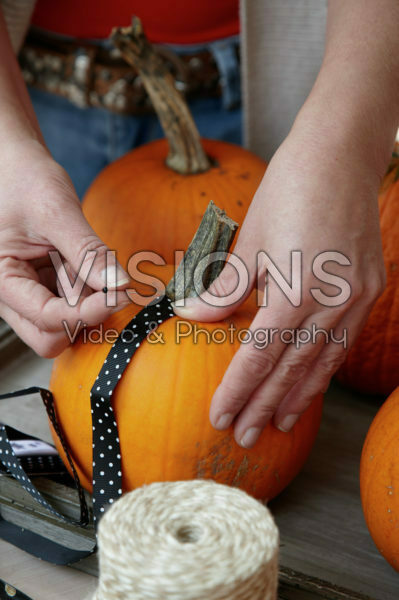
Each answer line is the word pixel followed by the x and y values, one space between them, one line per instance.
pixel 39 212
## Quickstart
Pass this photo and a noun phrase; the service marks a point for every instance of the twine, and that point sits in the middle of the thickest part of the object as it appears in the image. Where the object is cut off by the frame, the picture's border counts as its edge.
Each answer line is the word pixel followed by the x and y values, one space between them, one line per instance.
pixel 187 540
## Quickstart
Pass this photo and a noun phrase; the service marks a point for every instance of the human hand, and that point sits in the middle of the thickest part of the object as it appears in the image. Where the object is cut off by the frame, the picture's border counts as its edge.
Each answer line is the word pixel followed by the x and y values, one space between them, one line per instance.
pixel 40 212
pixel 317 195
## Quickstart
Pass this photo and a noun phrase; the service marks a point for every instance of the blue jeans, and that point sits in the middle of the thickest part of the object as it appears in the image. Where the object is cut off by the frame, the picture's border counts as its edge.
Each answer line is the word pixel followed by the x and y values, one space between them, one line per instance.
pixel 85 140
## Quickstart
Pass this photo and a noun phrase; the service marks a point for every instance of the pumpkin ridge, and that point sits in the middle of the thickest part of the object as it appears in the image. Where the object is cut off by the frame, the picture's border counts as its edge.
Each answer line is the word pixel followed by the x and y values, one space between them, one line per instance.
pixel 371 363
pixel 146 443
pixel 379 480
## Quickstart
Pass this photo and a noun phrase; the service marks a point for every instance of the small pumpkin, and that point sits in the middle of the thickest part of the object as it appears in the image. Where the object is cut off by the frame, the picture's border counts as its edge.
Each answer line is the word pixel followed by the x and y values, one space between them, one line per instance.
pixel 161 405
pixel 372 363
pixel 379 479
pixel 154 197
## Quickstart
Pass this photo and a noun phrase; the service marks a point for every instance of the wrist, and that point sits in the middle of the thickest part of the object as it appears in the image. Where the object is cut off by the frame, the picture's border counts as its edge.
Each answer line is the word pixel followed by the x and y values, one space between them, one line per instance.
pixel 25 165
pixel 17 127
pixel 346 131
pixel 19 138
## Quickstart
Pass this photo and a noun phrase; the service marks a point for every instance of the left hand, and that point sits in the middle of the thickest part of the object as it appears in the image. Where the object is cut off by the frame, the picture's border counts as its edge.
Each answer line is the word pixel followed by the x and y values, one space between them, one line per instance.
pixel 317 195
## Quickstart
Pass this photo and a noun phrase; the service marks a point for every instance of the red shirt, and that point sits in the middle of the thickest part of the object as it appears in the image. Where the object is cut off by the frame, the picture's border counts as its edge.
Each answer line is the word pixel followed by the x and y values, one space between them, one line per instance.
pixel 177 22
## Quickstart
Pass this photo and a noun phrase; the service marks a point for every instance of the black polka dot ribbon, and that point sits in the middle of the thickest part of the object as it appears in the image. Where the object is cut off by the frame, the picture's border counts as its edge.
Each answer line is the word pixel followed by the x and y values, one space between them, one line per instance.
pixel 13 464
pixel 19 536
pixel 107 469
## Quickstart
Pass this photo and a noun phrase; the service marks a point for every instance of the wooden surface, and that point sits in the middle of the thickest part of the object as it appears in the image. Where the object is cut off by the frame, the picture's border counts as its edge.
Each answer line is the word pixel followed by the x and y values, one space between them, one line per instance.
pixel 323 534
pixel 321 523
pixel 40 580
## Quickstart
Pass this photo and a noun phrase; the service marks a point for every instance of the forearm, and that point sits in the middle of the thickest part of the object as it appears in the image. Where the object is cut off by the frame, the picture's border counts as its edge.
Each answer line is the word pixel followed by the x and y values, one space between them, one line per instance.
pixel 355 100
pixel 17 117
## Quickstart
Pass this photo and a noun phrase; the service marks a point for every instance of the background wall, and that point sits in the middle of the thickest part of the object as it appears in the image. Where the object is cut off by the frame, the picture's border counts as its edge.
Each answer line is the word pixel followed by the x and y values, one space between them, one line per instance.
pixel 282 50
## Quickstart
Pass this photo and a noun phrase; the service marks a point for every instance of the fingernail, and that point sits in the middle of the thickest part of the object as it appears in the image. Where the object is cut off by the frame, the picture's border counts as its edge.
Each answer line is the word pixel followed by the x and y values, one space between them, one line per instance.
pixel 288 423
pixel 224 421
pixel 114 277
pixel 185 308
pixel 250 436
pixel 182 311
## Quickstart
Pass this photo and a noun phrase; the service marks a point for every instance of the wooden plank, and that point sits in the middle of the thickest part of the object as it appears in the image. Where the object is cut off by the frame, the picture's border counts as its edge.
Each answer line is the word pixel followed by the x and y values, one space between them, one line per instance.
pixel 17 506
pixel 297 586
pixel 41 580
pixel 62 497
pixel 319 515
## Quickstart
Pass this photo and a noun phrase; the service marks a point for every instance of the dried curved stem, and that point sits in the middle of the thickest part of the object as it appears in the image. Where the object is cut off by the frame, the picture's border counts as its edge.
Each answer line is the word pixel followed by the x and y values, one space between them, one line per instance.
pixel 186 155
pixel 215 234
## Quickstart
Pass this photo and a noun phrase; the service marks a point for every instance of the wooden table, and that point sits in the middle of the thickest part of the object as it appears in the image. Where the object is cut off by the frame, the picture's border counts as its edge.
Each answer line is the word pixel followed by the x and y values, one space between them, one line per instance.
pixel 323 534
pixel 43 581
pixel 321 523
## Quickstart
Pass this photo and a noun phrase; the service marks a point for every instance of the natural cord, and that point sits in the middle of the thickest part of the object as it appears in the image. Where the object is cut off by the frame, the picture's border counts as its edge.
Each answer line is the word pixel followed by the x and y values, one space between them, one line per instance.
pixel 187 540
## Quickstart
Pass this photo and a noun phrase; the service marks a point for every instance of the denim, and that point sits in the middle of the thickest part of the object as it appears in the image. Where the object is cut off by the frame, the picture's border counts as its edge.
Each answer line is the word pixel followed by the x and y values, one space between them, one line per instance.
pixel 85 140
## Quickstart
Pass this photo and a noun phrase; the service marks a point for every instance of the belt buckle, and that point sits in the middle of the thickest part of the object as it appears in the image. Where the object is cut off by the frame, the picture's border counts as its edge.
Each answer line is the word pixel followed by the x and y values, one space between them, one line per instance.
pixel 115 97
pixel 77 87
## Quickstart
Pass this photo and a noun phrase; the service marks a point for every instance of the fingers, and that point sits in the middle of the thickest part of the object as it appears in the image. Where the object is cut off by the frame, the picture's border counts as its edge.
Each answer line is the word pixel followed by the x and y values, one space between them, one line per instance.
pixel 44 220
pixel 47 276
pixel 295 363
pixel 45 344
pixel 227 292
pixel 319 374
pixel 80 289
pixel 282 379
pixel 88 256
pixel 316 381
pixel 251 364
pixel 21 291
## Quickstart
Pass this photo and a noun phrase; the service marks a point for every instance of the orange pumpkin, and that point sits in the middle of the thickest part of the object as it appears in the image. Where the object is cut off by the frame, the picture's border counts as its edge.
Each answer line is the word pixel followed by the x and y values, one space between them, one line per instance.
pixel 162 404
pixel 379 480
pixel 392 173
pixel 139 203
pixel 154 197
pixel 372 363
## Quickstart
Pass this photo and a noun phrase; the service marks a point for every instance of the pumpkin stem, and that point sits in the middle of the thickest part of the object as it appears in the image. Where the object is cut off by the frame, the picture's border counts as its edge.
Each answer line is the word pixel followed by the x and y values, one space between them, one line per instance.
pixel 200 266
pixel 186 155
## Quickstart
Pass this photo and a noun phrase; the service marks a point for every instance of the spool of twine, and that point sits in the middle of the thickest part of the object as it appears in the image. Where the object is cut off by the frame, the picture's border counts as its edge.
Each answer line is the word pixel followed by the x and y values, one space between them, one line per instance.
pixel 187 540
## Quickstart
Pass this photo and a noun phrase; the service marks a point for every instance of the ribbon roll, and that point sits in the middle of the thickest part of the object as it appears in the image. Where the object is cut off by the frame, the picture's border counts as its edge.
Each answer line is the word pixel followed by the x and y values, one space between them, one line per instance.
pixel 188 540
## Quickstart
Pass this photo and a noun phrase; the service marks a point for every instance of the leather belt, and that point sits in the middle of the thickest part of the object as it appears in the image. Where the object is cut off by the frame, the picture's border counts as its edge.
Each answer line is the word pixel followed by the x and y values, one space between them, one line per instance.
pixel 91 75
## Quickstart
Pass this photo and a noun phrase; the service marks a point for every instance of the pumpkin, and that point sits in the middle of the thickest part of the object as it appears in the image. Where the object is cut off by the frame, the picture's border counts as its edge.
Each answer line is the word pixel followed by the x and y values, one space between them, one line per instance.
pixel 161 406
pixel 154 197
pixel 139 203
pixel 372 363
pixel 379 479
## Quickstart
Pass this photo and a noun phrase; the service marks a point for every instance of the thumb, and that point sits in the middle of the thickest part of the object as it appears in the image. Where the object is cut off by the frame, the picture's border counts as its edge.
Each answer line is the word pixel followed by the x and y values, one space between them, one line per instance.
pixel 87 254
pixel 224 295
